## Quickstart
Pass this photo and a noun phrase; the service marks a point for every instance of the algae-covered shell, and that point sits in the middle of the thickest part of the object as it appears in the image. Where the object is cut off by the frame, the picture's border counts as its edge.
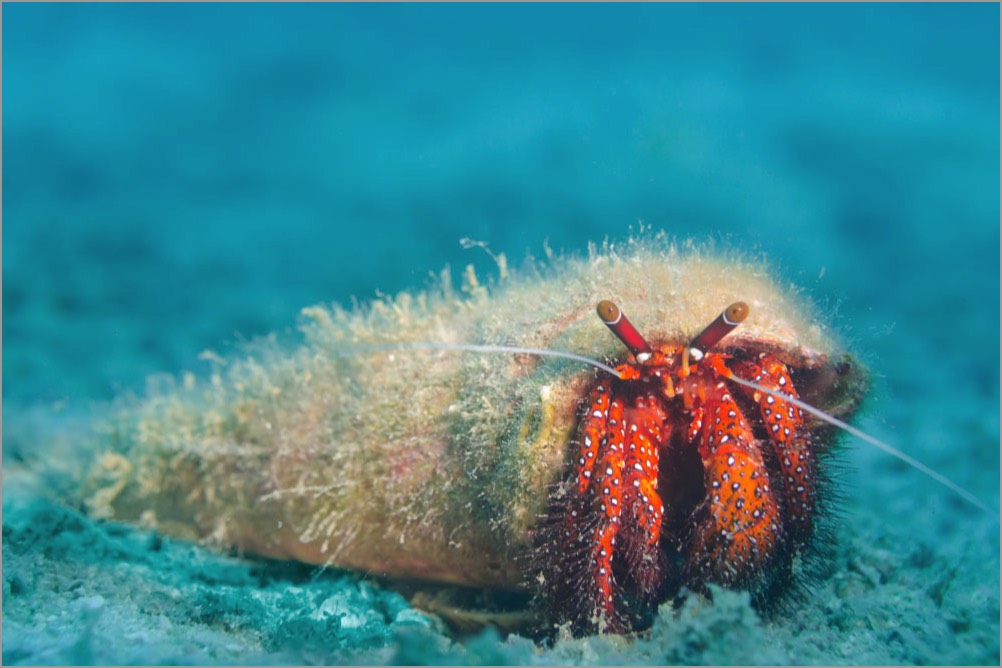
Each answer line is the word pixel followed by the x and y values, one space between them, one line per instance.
pixel 418 463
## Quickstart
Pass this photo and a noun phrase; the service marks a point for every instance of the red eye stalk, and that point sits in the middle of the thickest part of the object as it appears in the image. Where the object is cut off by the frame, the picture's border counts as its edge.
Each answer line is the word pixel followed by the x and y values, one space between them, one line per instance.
pixel 624 329
pixel 732 316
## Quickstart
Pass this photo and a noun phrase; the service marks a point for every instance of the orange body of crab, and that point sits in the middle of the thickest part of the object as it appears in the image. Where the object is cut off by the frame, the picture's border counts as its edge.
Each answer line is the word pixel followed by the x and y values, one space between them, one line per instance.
pixel 682 478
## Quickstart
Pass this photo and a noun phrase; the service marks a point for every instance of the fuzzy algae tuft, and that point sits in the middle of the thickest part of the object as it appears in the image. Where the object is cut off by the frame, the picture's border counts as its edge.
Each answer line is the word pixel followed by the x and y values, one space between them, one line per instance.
pixel 417 463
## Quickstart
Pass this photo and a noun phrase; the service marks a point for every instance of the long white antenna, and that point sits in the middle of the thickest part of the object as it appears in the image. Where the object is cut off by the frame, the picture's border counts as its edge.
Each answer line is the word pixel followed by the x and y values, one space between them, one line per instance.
pixel 475 348
pixel 858 433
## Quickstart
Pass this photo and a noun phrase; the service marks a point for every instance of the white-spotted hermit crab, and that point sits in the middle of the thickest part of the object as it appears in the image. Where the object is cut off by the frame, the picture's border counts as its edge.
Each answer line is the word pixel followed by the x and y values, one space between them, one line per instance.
pixel 682 477
pixel 601 492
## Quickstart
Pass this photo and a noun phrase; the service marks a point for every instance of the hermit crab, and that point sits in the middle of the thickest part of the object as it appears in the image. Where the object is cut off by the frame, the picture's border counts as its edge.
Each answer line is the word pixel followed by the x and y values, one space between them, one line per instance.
pixel 673 484
pixel 496 438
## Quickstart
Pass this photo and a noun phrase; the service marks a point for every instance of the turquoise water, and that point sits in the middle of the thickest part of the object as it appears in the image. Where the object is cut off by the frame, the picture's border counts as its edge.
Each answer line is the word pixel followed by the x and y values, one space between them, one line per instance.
pixel 181 177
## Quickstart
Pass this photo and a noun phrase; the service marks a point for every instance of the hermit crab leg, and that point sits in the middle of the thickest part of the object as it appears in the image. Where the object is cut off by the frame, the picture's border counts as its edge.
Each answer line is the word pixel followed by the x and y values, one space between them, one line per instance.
pixel 858 433
pixel 783 422
pixel 738 536
pixel 643 506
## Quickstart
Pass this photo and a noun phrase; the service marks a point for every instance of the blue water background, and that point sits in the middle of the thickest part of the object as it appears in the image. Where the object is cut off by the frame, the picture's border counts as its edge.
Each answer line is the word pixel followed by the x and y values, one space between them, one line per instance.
pixel 181 176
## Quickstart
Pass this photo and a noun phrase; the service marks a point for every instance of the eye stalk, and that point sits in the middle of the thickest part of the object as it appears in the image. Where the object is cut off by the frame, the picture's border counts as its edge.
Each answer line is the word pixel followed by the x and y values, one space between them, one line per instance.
pixel 724 324
pixel 621 326
pixel 623 329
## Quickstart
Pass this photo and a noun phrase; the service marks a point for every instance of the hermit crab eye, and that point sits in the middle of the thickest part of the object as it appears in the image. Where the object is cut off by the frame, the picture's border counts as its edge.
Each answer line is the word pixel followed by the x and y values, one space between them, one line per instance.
pixel 608 312
pixel 621 326
pixel 724 323
pixel 736 312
